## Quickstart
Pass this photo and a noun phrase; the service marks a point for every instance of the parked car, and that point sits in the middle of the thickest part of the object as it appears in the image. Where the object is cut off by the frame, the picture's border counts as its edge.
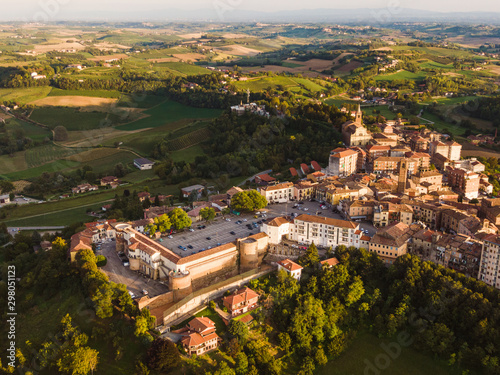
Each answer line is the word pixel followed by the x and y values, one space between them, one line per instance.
pixel 218 243
pixel 170 236
pixel 228 219
pixel 232 233
pixel 245 220
pixel 191 229
pixel 190 247
pixel 125 263
pixel 145 292
pixel 209 238
pixel 132 295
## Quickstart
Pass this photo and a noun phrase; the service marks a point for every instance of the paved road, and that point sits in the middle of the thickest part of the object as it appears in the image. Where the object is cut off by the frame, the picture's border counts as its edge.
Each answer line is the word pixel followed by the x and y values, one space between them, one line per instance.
pixel 119 273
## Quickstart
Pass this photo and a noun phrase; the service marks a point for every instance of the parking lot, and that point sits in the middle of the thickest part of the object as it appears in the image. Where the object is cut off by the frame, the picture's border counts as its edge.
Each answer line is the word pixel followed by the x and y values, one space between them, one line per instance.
pixel 119 273
pixel 220 230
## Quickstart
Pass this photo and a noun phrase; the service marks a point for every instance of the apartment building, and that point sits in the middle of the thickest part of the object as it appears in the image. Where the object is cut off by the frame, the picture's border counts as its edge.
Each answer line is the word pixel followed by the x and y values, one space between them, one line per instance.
pixel 343 162
pixel 464 182
pixel 490 261
pixel 279 193
pixel 323 231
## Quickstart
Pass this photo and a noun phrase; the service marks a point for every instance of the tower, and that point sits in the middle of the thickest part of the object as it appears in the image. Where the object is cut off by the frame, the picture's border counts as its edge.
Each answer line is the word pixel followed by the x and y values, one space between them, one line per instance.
pixel 248 96
pixel 359 115
pixel 403 173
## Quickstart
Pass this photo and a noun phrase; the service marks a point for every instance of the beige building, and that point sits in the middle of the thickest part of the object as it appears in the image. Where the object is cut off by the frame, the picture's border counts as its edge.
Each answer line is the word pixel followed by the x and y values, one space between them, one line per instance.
pixel 279 193
pixel 343 162
pixel 451 150
pixel 391 242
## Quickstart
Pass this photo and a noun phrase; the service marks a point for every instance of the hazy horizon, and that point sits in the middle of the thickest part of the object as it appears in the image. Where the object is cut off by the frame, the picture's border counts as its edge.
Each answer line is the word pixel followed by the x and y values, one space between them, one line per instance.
pixel 55 10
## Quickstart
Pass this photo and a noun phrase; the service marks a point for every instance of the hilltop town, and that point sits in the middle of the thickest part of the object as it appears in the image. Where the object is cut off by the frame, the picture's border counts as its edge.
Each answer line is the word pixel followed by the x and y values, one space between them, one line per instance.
pixel 249 198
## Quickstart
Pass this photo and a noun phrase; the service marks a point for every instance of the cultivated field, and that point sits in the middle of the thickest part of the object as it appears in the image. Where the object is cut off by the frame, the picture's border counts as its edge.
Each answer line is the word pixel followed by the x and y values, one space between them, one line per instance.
pixel 117 56
pixel 86 103
pixel 236 49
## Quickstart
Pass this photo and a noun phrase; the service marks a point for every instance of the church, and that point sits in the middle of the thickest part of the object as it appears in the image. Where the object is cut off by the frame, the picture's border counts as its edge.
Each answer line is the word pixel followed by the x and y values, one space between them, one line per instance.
pixel 354 133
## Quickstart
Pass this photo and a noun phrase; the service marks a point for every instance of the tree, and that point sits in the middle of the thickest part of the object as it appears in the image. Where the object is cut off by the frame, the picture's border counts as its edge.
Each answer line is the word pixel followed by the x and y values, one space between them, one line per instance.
pixel 60 133
pixel 239 330
pixel 162 355
pixel 6 186
pixel 248 201
pixel 207 213
pixel 285 341
pixel 179 219
pixel 78 362
pixel 311 257
pixel 241 364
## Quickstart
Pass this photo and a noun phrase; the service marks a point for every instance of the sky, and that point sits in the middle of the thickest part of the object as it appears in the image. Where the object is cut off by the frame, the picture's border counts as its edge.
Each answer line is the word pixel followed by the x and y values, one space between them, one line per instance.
pixel 65 9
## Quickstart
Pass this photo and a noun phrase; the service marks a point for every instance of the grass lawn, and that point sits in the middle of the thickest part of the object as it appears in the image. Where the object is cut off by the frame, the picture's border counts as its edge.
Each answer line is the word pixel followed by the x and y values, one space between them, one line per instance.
pixel 207 313
pixel 24 95
pixel 441 125
pixel 188 155
pixel 366 347
pixel 170 112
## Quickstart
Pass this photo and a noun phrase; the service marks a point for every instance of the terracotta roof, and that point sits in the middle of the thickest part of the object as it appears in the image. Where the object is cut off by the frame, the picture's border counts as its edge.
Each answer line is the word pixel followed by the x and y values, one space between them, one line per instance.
pixel 241 296
pixel 289 265
pixel 293 172
pixel 326 221
pixel 202 325
pixel 278 221
pixel 284 185
pixel 315 165
pixel 330 262
pixel 265 177
pixel 304 168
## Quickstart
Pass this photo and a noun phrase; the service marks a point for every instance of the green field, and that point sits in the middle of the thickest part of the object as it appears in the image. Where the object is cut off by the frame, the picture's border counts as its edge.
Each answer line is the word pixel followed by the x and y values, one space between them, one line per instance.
pixel 140 100
pixel 183 69
pixel 45 154
pixel 56 166
pixel 73 119
pixel 401 75
pixel 24 95
pixel 91 93
pixel 34 132
pixel 170 112
pixel 364 350
pixel 436 65
pixel 262 83
pixel 188 155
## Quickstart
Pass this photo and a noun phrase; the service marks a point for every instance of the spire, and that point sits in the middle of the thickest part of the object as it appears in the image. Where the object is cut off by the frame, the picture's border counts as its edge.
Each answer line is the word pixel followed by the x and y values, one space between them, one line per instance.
pixel 359 115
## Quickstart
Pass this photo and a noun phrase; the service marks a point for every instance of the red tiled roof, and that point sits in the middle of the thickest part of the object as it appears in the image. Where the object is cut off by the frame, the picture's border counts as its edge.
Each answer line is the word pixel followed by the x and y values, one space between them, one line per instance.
pixel 240 296
pixel 265 177
pixel 315 165
pixel 290 265
pixel 330 262
pixel 293 172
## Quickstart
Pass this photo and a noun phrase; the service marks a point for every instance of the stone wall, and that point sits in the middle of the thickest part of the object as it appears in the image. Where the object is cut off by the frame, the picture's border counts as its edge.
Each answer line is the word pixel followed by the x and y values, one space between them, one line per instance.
pixel 152 303
pixel 203 296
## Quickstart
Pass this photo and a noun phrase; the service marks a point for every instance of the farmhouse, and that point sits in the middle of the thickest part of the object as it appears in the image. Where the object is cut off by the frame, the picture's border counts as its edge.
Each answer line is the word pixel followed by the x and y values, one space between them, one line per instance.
pixel 290 267
pixel 241 301
pixel 143 164
pixel 4 199
pixel 199 336
pixel 84 188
